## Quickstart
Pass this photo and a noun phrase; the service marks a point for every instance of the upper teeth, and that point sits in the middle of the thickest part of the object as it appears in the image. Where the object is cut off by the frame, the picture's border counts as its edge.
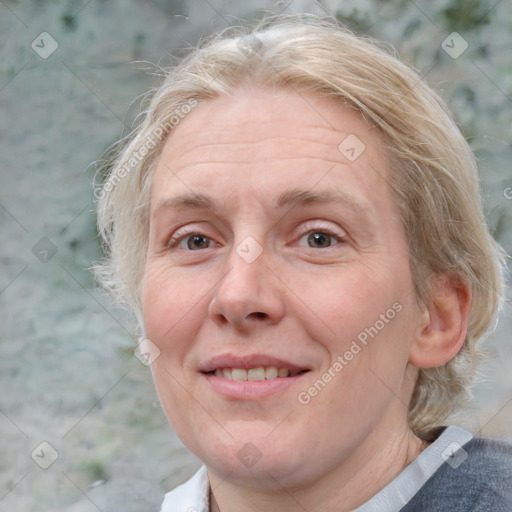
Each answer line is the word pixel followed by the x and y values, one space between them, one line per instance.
pixel 253 373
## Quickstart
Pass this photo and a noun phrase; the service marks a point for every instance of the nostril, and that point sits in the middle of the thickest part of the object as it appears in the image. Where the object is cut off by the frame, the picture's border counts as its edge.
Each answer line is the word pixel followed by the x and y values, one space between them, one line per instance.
pixel 259 315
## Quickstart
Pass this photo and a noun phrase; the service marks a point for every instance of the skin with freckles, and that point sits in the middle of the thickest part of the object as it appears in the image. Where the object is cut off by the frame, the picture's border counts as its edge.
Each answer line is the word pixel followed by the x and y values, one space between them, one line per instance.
pixel 263 165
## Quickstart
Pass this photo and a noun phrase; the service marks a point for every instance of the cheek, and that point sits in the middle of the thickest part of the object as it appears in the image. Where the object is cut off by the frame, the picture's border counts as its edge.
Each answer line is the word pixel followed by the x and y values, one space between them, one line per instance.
pixel 341 302
pixel 173 312
pixel 168 299
pixel 365 315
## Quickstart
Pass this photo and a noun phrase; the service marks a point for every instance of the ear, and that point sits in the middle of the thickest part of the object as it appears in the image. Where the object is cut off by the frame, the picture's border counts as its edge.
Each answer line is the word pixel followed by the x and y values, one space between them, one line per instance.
pixel 443 324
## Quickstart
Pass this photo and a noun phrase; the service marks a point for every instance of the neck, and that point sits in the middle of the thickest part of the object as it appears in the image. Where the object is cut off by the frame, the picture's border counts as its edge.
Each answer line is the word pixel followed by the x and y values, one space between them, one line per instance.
pixel 344 489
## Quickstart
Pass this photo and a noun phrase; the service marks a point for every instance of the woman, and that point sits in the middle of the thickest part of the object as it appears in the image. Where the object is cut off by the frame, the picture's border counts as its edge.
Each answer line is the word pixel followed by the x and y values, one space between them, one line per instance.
pixel 297 226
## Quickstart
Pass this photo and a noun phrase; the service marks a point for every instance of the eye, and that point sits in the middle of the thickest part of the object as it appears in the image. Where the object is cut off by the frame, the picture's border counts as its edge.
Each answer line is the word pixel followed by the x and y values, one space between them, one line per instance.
pixel 191 242
pixel 321 239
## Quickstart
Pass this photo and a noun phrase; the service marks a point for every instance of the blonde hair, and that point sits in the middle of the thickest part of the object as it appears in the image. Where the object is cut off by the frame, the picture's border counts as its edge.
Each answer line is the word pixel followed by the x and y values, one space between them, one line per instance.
pixel 433 171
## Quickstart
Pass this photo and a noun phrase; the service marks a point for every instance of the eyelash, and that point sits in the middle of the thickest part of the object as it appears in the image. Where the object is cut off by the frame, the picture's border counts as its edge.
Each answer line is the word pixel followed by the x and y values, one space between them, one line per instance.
pixel 176 240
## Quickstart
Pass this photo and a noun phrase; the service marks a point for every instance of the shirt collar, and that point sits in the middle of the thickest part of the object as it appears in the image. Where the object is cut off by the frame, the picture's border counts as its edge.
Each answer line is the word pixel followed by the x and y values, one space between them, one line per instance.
pixel 192 496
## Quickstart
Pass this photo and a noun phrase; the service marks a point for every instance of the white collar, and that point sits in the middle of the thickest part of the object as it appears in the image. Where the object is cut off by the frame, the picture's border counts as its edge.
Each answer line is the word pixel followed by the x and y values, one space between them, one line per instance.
pixel 192 496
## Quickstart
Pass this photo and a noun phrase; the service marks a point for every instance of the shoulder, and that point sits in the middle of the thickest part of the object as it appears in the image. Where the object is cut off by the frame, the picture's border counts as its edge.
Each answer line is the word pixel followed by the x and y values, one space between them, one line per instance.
pixel 493 457
pixel 478 478
pixel 487 466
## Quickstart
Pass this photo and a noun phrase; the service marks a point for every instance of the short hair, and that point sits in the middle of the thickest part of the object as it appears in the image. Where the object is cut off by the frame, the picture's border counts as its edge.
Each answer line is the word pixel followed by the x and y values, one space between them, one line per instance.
pixel 433 172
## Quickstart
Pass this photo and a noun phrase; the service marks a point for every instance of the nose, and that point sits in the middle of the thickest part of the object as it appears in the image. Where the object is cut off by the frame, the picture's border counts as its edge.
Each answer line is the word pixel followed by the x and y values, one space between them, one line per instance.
pixel 249 294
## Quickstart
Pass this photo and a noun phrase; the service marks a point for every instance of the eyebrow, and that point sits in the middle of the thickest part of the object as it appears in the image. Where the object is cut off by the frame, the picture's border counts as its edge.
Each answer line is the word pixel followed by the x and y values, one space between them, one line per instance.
pixel 290 198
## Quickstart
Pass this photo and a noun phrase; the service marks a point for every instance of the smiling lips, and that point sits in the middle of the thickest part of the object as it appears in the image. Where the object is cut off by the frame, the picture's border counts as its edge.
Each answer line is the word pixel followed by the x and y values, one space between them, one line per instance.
pixel 252 377
pixel 253 374
pixel 252 368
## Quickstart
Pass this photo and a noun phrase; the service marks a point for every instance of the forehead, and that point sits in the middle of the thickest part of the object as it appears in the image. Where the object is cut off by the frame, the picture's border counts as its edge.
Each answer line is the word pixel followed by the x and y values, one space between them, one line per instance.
pixel 266 142
pixel 250 115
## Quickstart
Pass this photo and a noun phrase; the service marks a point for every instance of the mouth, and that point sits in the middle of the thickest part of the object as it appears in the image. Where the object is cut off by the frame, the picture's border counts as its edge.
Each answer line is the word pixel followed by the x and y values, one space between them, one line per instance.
pixel 255 374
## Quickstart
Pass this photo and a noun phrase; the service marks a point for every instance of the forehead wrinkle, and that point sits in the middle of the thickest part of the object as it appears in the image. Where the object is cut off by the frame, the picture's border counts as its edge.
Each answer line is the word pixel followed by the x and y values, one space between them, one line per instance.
pixel 209 163
pixel 191 142
pixel 251 154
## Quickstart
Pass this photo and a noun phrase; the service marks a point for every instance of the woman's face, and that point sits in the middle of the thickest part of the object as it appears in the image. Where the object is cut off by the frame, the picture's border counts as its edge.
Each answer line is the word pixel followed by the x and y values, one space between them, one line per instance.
pixel 278 288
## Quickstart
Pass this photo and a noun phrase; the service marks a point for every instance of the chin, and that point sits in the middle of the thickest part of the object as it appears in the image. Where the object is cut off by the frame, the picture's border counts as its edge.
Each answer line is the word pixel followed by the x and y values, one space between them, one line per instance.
pixel 266 463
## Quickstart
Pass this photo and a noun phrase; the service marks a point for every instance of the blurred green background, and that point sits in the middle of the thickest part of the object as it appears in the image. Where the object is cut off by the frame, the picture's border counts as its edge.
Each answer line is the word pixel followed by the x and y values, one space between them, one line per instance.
pixel 67 371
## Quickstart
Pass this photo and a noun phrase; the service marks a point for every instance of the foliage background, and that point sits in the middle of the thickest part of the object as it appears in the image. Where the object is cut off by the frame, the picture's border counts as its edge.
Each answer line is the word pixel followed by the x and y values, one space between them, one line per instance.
pixel 67 371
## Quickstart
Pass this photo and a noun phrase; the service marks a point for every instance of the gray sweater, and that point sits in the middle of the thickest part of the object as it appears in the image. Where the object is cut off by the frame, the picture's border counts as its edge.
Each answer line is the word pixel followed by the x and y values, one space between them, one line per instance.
pixel 456 473
pixel 481 483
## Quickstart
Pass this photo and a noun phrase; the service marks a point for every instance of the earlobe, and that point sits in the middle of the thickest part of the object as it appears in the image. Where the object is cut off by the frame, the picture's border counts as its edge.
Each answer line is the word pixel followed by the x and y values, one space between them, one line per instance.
pixel 443 324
